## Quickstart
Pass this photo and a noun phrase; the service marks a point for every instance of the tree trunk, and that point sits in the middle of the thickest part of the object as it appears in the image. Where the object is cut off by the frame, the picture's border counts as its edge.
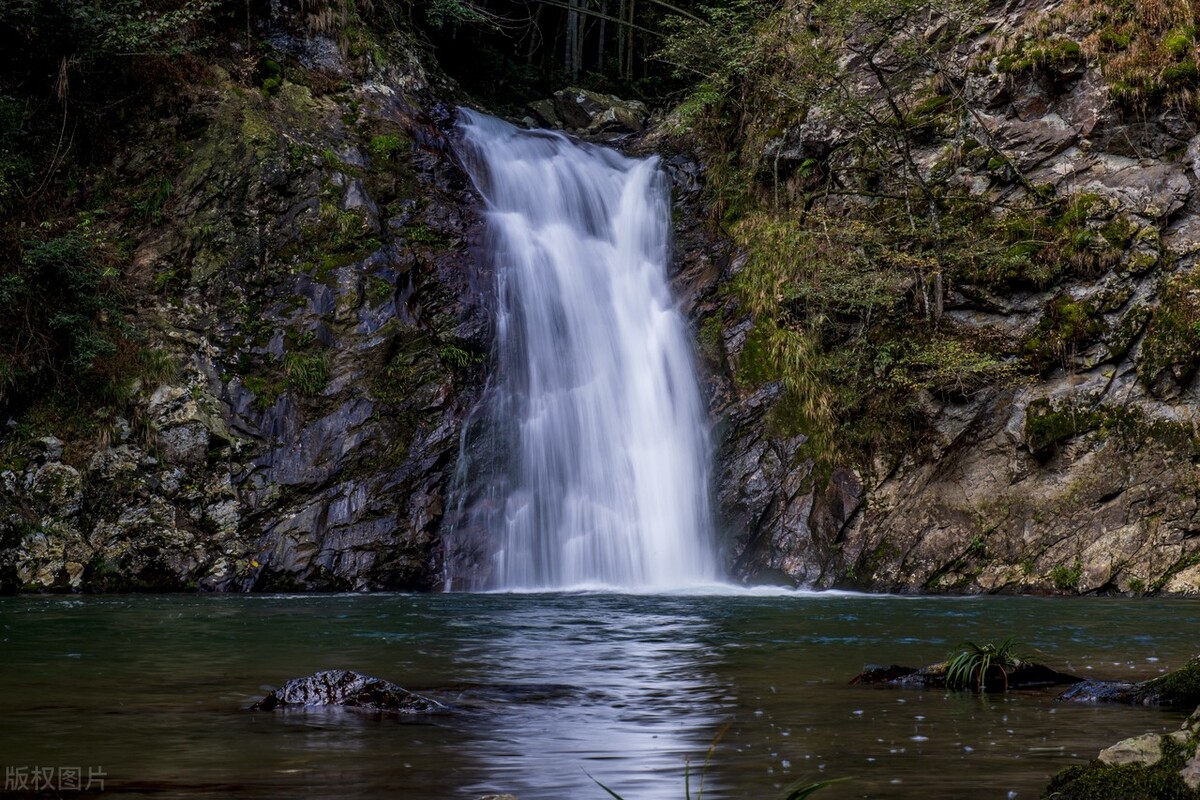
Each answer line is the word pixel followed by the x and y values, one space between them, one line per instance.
pixel 600 44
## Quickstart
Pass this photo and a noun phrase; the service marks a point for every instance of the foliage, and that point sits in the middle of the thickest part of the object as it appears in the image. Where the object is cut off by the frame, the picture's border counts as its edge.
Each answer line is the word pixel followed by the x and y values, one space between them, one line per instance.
pixel 1066 578
pixel 457 357
pixel 973 665
pixel 306 373
pixel 1028 55
pixel 63 313
pixel 845 323
pixel 385 146
pixel 1146 51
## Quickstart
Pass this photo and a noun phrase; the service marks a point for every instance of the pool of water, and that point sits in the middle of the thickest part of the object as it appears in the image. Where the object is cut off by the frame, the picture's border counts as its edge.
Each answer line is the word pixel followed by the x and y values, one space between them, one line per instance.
pixel 557 691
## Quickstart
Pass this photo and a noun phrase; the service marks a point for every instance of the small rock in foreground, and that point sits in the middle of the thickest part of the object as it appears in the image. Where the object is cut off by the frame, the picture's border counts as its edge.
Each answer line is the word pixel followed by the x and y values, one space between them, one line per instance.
pixel 340 687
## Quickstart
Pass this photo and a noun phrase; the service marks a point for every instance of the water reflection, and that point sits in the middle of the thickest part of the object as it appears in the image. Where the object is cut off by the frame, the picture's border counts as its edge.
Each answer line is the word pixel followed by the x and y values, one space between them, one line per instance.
pixel 624 687
pixel 644 688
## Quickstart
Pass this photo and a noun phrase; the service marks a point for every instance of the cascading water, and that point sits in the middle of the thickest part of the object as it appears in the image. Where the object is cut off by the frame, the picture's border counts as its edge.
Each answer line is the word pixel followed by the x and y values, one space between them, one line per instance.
pixel 595 405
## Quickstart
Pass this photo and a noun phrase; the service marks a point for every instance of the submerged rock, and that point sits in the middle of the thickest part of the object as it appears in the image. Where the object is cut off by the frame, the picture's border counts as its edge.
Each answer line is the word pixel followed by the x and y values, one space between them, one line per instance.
pixel 1029 675
pixel 341 687
pixel 1099 692
pixel 876 673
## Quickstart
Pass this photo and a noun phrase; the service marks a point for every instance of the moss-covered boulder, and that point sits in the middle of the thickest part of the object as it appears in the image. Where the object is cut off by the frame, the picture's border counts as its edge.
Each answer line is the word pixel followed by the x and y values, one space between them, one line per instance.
pixel 1176 689
pixel 1147 767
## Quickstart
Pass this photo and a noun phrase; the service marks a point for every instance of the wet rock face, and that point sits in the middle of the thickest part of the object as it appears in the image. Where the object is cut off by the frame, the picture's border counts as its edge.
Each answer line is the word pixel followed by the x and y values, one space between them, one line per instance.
pixel 350 690
pixel 314 292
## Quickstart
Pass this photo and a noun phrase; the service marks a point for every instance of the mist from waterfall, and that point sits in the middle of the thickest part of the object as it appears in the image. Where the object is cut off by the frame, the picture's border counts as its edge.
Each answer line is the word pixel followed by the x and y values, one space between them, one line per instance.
pixel 593 466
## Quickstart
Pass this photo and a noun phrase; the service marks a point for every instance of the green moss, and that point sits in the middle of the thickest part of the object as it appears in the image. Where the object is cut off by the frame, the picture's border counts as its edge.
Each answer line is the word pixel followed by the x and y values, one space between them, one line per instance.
pixel 1181 76
pixel 1113 41
pixel 379 289
pixel 1065 326
pixel 269 73
pixel 1048 425
pixel 1179 688
pixel 1119 232
pixel 1125 333
pixel 710 339
pixel 1178 43
pixel 1099 781
pixel 1173 338
pixel 932 105
pixel 385 146
pixel 423 234
pixel 1030 55
pixel 266 390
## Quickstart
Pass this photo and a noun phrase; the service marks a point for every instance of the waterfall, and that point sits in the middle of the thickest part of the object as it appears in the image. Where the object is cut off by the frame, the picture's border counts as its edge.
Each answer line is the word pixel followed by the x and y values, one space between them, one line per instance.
pixel 593 465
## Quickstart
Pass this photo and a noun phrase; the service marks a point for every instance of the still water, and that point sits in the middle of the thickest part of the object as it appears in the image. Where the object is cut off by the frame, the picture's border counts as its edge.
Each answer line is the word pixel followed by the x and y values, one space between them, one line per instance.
pixel 552 688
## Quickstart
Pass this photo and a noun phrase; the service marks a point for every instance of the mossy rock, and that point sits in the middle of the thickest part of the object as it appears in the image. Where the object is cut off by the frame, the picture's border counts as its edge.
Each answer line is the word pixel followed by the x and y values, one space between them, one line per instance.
pixel 1149 770
pixel 1177 689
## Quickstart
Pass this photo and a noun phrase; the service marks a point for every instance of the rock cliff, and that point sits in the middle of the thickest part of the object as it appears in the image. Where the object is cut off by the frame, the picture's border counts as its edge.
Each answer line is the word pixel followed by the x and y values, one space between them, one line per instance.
pixel 1061 455
pixel 307 289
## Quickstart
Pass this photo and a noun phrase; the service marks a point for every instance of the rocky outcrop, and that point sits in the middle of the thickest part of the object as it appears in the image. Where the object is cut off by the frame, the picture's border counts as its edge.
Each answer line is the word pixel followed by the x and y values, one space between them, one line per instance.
pixel 349 690
pixel 317 331
pixel 1078 478
pixel 588 113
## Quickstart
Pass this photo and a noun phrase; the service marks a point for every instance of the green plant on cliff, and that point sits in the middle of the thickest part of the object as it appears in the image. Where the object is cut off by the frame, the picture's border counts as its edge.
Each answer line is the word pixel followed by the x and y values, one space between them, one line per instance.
pixel 306 373
pixel 974 667
pixel 1172 340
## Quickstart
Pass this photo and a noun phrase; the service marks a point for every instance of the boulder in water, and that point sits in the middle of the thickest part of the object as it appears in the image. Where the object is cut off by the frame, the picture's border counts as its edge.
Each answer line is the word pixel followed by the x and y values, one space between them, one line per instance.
pixel 598 113
pixel 340 687
pixel 1176 689
pixel 1029 675
pixel 877 673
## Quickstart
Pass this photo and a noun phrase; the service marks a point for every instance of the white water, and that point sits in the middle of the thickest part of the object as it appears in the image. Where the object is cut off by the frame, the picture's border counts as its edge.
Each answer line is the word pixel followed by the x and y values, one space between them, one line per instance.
pixel 595 399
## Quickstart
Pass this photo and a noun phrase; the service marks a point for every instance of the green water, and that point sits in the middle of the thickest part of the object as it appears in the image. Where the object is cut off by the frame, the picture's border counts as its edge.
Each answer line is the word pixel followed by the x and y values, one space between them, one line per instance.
pixel 153 691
